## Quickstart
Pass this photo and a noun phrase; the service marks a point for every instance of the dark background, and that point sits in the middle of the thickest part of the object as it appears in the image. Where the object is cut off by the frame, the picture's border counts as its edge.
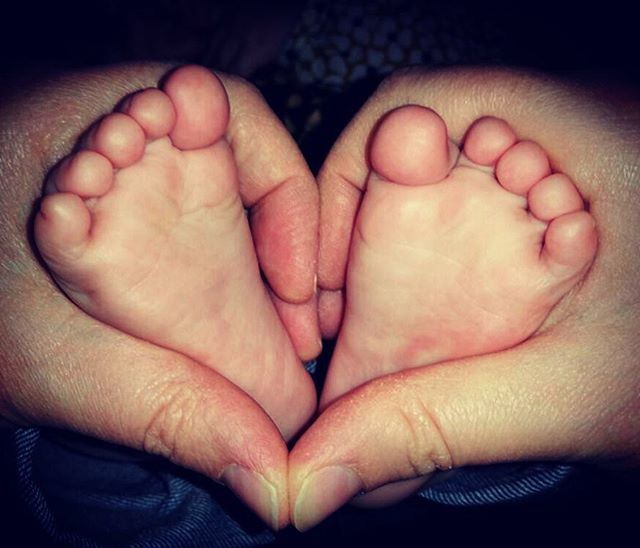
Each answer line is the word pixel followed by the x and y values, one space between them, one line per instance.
pixel 600 38
pixel 597 42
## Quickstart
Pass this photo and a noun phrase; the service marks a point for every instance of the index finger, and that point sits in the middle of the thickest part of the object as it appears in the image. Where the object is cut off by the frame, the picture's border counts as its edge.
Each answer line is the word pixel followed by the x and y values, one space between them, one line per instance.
pixel 281 194
pixel 279 189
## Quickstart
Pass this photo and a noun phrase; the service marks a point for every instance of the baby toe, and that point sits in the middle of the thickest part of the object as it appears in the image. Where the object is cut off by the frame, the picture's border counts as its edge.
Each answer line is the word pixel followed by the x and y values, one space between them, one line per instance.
pixel 153 110
pixel 62 228
pixel 87 173
pixel 570 244
pixel 119 138
pixel 522 166
pixel 487 140
pixel 554 196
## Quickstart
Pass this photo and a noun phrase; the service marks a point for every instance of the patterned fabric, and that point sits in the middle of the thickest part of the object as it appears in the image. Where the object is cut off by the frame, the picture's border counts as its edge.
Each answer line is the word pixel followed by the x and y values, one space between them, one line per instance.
pixel 338 43
pixel 79 499
pixel 498 483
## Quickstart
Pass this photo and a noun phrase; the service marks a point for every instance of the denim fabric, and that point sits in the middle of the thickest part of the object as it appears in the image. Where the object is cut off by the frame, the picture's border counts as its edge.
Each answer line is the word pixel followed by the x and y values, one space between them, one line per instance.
pixel 86 499
pixel 498 483
pixel 82 500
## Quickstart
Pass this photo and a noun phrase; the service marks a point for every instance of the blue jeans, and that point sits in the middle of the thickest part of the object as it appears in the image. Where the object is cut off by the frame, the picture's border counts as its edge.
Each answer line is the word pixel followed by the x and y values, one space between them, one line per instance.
pixel 90 494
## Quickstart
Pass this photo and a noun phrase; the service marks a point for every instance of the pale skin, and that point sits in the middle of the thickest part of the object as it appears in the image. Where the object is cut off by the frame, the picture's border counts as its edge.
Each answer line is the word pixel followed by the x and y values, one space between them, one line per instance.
pixel 570 392
pixel 144 228
pixel 454 253
pixel 458 249
pixel 341 435
pixel 74 372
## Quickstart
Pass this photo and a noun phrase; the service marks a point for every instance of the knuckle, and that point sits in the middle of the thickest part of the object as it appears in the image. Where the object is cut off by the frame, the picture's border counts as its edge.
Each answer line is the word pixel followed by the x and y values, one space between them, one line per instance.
pixel 176 407
pixel 426 446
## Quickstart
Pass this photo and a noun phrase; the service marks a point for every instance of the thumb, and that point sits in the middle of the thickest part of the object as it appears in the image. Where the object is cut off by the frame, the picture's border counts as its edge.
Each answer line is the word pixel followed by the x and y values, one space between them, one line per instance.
pixel 541 400
pixel 135 394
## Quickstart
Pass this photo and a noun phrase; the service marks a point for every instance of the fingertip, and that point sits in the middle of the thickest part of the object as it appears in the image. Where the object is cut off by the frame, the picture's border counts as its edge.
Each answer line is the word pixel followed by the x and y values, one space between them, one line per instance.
pixel 330 311
pixel 323 492
pixel 284 224
pixel 259 494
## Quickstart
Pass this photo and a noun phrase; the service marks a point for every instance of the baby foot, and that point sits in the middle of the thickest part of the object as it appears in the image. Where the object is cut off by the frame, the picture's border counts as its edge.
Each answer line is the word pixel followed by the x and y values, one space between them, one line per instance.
pixel 454 255
pixel 144 229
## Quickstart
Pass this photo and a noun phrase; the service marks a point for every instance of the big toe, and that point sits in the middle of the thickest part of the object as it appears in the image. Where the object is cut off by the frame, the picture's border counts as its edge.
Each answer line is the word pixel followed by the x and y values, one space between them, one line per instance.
pixel 411 147
pixel 201 107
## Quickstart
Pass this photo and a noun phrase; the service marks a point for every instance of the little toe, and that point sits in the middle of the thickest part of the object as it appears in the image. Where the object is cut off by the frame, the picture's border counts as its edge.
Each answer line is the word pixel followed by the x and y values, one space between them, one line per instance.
pixel 570 243
pixel 411 147
pixel 554 196
pixel 153 110
pixel 201 107
pixel 62 227
pixel 522 166
pixel 119 138
pixel 487 140
pixel 87 173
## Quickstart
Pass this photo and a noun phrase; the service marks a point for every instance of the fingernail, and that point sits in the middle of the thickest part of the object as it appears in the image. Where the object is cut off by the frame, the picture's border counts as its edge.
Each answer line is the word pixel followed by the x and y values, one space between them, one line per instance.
pixel 322 493
pixel 255 491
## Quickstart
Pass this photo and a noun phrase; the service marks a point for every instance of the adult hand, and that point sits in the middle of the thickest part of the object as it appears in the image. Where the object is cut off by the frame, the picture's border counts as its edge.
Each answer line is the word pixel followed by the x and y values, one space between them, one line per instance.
pixel 572 391
pixel 59 367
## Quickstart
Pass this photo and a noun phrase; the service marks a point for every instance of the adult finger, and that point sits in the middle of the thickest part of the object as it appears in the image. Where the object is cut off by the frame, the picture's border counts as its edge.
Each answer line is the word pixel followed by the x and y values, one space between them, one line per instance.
pixel 301 320
pixel 280 191
pixel 572 391
pixel 544 400
pixel 105 384
pixel 58 367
